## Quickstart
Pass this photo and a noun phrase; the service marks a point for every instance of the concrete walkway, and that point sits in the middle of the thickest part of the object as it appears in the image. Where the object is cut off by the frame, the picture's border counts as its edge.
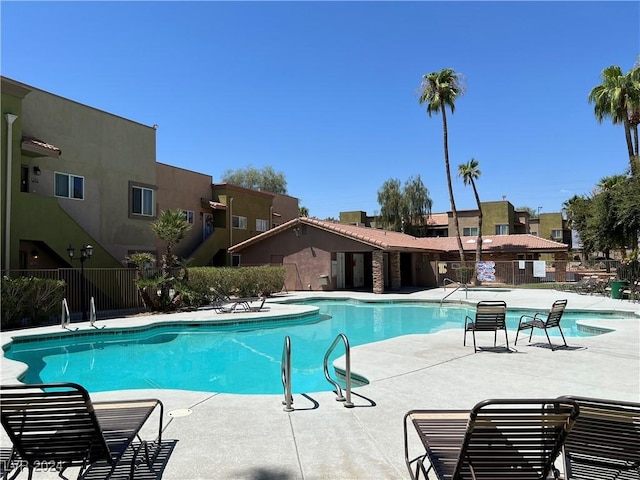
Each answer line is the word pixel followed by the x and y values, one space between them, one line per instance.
pixel 224 436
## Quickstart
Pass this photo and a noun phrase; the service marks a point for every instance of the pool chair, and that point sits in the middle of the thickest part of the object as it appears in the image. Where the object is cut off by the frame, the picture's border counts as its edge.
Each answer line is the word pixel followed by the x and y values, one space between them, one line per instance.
pixel 509 439
pixel 605 441
pixel 490 317
pixel 550 319
pixel 58 426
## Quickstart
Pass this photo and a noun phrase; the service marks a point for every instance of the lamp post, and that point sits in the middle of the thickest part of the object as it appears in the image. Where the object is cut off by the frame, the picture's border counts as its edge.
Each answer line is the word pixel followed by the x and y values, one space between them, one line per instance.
pixel 85 254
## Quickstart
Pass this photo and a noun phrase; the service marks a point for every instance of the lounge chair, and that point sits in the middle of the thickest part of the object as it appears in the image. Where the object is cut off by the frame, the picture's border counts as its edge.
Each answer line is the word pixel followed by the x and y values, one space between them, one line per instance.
pixel 544 321
pixel 256 305
pixel 58 425
pixel 509 439
pixel 490 317
pixel 605 441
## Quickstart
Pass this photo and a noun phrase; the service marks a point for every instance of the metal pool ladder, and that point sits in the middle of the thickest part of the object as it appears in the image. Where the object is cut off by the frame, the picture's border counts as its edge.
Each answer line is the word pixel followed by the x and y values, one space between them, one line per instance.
pixel 286 374
pixel 340 397
pixel 460 285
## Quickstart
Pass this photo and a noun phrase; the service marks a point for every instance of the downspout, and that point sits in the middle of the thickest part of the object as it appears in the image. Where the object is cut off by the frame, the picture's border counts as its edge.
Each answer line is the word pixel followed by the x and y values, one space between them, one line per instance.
pixel 230 230
pixel 270 218
pixel 7 217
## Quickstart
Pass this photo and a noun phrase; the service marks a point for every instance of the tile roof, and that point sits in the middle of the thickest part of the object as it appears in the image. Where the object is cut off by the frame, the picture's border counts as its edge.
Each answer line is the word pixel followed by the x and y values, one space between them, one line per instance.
pixel 388 240
pixel 491 243
pixel 438 219
pixel 32 141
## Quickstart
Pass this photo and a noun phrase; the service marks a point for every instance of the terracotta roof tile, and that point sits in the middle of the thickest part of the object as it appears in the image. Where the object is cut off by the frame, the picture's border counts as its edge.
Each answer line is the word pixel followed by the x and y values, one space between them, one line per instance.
pixel 388 240
pixel 39 143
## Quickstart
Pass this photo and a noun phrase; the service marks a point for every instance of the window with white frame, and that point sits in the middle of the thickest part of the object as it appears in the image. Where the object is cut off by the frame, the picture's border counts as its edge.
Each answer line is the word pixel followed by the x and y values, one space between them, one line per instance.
pixel 261 225
pixel 556 234
pixel 69 186
pixel 142 201
pixel 189 216
pixel 502 229
pixel 239 222
pixel 470 232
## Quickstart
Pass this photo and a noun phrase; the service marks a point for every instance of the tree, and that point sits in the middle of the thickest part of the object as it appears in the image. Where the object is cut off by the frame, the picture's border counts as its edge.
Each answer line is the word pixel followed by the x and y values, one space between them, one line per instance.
pixel 171 227
pixel 417 202
pixel 303 211
pixel 618 98
pixel 470 173
pixel 267 179
pixel 391 205
pixel 404 209
pixel 438 91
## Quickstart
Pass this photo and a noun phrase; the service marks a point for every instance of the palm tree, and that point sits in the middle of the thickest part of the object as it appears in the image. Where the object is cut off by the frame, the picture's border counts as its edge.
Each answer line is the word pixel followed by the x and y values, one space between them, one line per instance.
pixel 470 173
pixel 438 91
pixel 618 98
pixel 171 227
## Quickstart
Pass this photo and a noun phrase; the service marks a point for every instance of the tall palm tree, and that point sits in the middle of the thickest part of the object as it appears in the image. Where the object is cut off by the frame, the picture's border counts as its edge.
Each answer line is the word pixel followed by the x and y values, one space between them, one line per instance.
pixel 438 91
pixel 470 173
pixel 171 227
pixel 617 98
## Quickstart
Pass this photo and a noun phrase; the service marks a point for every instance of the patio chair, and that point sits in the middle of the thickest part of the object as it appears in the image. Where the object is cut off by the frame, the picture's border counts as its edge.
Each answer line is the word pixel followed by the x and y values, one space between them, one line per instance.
pixel 510 439
pixel 605 441
pixel 58 426
pixel 490 317
pixel 544 321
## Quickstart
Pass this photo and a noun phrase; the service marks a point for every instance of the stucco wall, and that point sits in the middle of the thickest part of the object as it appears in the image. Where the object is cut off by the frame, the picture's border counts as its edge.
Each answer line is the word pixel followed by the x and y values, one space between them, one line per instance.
pixel 109 152
pixel 183 189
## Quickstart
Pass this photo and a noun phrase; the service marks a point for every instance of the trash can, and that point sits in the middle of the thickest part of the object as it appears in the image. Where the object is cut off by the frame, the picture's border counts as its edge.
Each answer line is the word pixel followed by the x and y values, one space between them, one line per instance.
pixel 617 286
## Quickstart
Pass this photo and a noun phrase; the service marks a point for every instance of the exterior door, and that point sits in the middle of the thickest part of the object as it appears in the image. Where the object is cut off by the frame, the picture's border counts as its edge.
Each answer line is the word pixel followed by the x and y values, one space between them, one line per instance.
pixel 340 270
pixel 358 270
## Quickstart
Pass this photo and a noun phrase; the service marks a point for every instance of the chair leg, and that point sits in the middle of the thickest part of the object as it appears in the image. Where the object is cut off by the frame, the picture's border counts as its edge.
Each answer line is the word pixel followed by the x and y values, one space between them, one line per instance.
pixel 495 338
pixel 517 333
pixel 562 335
pixel 464 343
pixel 549 340
pixel 474 341
pixel 506 338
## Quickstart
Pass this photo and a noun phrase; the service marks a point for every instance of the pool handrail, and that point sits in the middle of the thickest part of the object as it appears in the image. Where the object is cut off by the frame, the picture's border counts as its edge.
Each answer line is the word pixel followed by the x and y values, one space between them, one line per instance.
pixel 460 285
pixel 286 374
pixel 65 316
pixel 340 397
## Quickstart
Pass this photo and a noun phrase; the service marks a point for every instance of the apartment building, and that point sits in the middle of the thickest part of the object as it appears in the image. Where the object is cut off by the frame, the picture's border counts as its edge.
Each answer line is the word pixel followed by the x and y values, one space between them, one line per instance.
pixel 74 175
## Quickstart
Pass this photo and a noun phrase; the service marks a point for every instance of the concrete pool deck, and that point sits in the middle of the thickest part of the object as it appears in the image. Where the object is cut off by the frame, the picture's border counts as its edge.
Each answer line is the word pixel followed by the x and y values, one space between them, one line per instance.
pixel 229 436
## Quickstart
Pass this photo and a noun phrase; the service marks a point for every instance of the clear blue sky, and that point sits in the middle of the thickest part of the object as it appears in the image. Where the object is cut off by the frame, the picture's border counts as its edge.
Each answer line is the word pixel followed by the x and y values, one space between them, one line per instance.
pixel 325 92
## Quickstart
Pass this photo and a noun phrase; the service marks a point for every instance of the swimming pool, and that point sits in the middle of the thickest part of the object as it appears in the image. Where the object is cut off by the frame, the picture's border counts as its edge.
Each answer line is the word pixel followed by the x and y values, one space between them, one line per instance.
pixel 238 358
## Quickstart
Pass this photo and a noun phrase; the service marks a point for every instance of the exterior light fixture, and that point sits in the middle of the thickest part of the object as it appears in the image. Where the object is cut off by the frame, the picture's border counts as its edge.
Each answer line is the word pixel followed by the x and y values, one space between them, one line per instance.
pixel 36 170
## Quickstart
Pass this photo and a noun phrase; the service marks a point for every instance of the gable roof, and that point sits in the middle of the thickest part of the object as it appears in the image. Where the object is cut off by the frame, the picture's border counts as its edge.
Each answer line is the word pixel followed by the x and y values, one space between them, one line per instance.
pixel 374 237
pixel 393 241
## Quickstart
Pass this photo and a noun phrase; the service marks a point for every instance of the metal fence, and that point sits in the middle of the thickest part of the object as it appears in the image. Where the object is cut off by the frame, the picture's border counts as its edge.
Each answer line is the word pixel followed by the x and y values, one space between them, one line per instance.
pixel 113 289
pixel 540 274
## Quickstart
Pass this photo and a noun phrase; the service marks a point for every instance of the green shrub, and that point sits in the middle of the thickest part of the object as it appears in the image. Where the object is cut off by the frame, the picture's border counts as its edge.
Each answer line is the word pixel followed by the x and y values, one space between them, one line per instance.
pixel 464 274
pixel 30 298
pixel 203 283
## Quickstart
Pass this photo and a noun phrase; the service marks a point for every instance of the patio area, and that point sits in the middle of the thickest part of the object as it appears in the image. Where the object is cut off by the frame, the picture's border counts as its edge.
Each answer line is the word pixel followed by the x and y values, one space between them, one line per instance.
pixel 224 436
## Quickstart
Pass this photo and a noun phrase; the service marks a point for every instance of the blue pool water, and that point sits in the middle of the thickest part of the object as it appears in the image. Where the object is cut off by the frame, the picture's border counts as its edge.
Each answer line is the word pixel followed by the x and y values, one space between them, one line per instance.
pixel 236 359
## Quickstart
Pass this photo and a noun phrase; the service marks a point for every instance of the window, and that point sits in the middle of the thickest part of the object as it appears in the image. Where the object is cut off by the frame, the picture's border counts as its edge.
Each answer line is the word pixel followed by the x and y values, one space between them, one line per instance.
pixel 556 234
pixel 470 232
pixel 262 225
pixel 69 186
pixel 142 201
pixel 502 229
pixel 189 216
pixel 235 260
pixel 239 222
